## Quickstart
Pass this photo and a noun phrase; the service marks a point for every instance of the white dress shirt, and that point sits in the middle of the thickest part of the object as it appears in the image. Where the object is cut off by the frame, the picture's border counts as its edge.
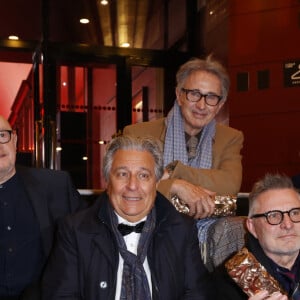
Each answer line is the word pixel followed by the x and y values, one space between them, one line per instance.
pixel 131 241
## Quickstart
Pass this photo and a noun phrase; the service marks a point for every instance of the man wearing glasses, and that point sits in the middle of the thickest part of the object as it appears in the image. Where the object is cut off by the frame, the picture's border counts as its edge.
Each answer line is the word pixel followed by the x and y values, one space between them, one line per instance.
pixel 202 157
pixel 31 201
pixel 273 238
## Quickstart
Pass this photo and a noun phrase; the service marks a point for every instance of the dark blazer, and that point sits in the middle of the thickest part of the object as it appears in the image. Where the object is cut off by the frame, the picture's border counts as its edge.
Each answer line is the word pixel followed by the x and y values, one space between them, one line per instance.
pixel 85 259
pixel 52 195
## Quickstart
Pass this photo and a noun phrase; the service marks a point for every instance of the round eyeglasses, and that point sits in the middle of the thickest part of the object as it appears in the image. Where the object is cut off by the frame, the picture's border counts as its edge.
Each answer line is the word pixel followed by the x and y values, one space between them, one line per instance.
pixel 5 136
pixel 275 217
pixel 195 96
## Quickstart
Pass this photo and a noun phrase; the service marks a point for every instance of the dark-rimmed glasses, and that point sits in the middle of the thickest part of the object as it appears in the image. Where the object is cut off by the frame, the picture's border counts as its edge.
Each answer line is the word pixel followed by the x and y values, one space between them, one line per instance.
pixel 275 217
pixel 195 96
pixel 5 136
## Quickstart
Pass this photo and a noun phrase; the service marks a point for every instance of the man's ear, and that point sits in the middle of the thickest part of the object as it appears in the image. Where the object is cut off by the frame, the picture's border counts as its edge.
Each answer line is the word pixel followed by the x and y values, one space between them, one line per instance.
pixel 220 105
pixel 251 227
pixel 15 139
pixel 178 96
pixel 177 92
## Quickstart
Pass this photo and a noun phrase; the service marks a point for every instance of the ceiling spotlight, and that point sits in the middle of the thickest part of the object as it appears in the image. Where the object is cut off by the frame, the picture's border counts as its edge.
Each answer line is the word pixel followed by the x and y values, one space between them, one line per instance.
pixel 125 45
pixel 84 21
pixel 104 2
pixel 13 37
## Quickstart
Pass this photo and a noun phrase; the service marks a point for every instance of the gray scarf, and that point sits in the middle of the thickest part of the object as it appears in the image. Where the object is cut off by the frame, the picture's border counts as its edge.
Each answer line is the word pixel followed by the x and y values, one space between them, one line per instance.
pixel 134 281
pixel 175 145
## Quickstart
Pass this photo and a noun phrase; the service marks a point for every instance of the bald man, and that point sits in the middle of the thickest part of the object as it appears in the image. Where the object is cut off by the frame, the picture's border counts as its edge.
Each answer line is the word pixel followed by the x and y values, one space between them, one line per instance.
pixel 31 202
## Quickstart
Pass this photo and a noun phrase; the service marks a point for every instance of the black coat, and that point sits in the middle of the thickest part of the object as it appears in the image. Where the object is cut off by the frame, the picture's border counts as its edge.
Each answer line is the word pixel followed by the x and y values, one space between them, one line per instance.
pixel 52 196
pixel 229 290
pixel 86 254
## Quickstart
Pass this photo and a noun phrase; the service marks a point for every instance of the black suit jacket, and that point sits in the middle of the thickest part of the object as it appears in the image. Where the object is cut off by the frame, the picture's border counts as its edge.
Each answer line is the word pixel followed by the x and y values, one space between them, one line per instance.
pixel 53 196
pixel 85 259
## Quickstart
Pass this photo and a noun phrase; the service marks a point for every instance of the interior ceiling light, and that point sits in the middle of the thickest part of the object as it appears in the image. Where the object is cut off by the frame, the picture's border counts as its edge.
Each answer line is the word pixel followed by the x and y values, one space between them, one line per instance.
pixel 84 21
pixel 125 45
pixel 139 105
pixel 13 37
pixel 104 2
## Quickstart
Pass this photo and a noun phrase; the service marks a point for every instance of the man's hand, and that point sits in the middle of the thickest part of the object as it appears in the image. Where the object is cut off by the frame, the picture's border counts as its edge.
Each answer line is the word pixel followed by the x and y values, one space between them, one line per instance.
pixel 265 295
pixel 199 200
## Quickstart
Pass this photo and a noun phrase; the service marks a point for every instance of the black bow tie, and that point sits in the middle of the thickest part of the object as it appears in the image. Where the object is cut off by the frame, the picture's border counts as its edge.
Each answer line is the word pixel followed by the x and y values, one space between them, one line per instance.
pixel 126 229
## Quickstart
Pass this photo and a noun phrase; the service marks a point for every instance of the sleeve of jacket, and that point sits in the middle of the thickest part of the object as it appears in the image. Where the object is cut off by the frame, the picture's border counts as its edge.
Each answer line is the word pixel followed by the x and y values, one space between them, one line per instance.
pixel 198 284
pixel 75 200
pixel 61 278
pixel 64 197
pixel 226 288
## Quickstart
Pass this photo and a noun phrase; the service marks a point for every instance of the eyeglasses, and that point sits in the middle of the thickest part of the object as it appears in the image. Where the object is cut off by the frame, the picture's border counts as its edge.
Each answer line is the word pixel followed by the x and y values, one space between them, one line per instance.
pixel 5 136
pixel 195 96
pixel 275 217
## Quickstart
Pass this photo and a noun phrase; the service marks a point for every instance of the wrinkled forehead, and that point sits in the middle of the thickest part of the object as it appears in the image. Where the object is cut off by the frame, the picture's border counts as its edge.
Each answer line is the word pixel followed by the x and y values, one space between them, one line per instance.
pixel 4 125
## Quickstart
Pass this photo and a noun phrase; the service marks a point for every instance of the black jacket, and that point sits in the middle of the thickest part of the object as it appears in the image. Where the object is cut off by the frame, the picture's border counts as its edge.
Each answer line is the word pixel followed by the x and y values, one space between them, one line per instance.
pixel 52 196
pixel 86 254
pixel 229 290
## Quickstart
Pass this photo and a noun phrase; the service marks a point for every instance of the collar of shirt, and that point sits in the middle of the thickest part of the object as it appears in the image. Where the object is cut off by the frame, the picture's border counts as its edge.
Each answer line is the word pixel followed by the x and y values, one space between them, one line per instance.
pixel 124 221
pixel 131 239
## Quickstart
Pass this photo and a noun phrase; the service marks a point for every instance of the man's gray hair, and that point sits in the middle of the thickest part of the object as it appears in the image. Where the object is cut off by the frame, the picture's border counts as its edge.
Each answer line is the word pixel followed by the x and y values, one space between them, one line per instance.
pixel 125 142
pixel 269 182
pixel 209 65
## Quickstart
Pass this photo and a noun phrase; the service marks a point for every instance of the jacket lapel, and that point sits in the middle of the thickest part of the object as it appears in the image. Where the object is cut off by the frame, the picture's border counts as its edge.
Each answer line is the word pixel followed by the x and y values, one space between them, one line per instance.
pixel 97 225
